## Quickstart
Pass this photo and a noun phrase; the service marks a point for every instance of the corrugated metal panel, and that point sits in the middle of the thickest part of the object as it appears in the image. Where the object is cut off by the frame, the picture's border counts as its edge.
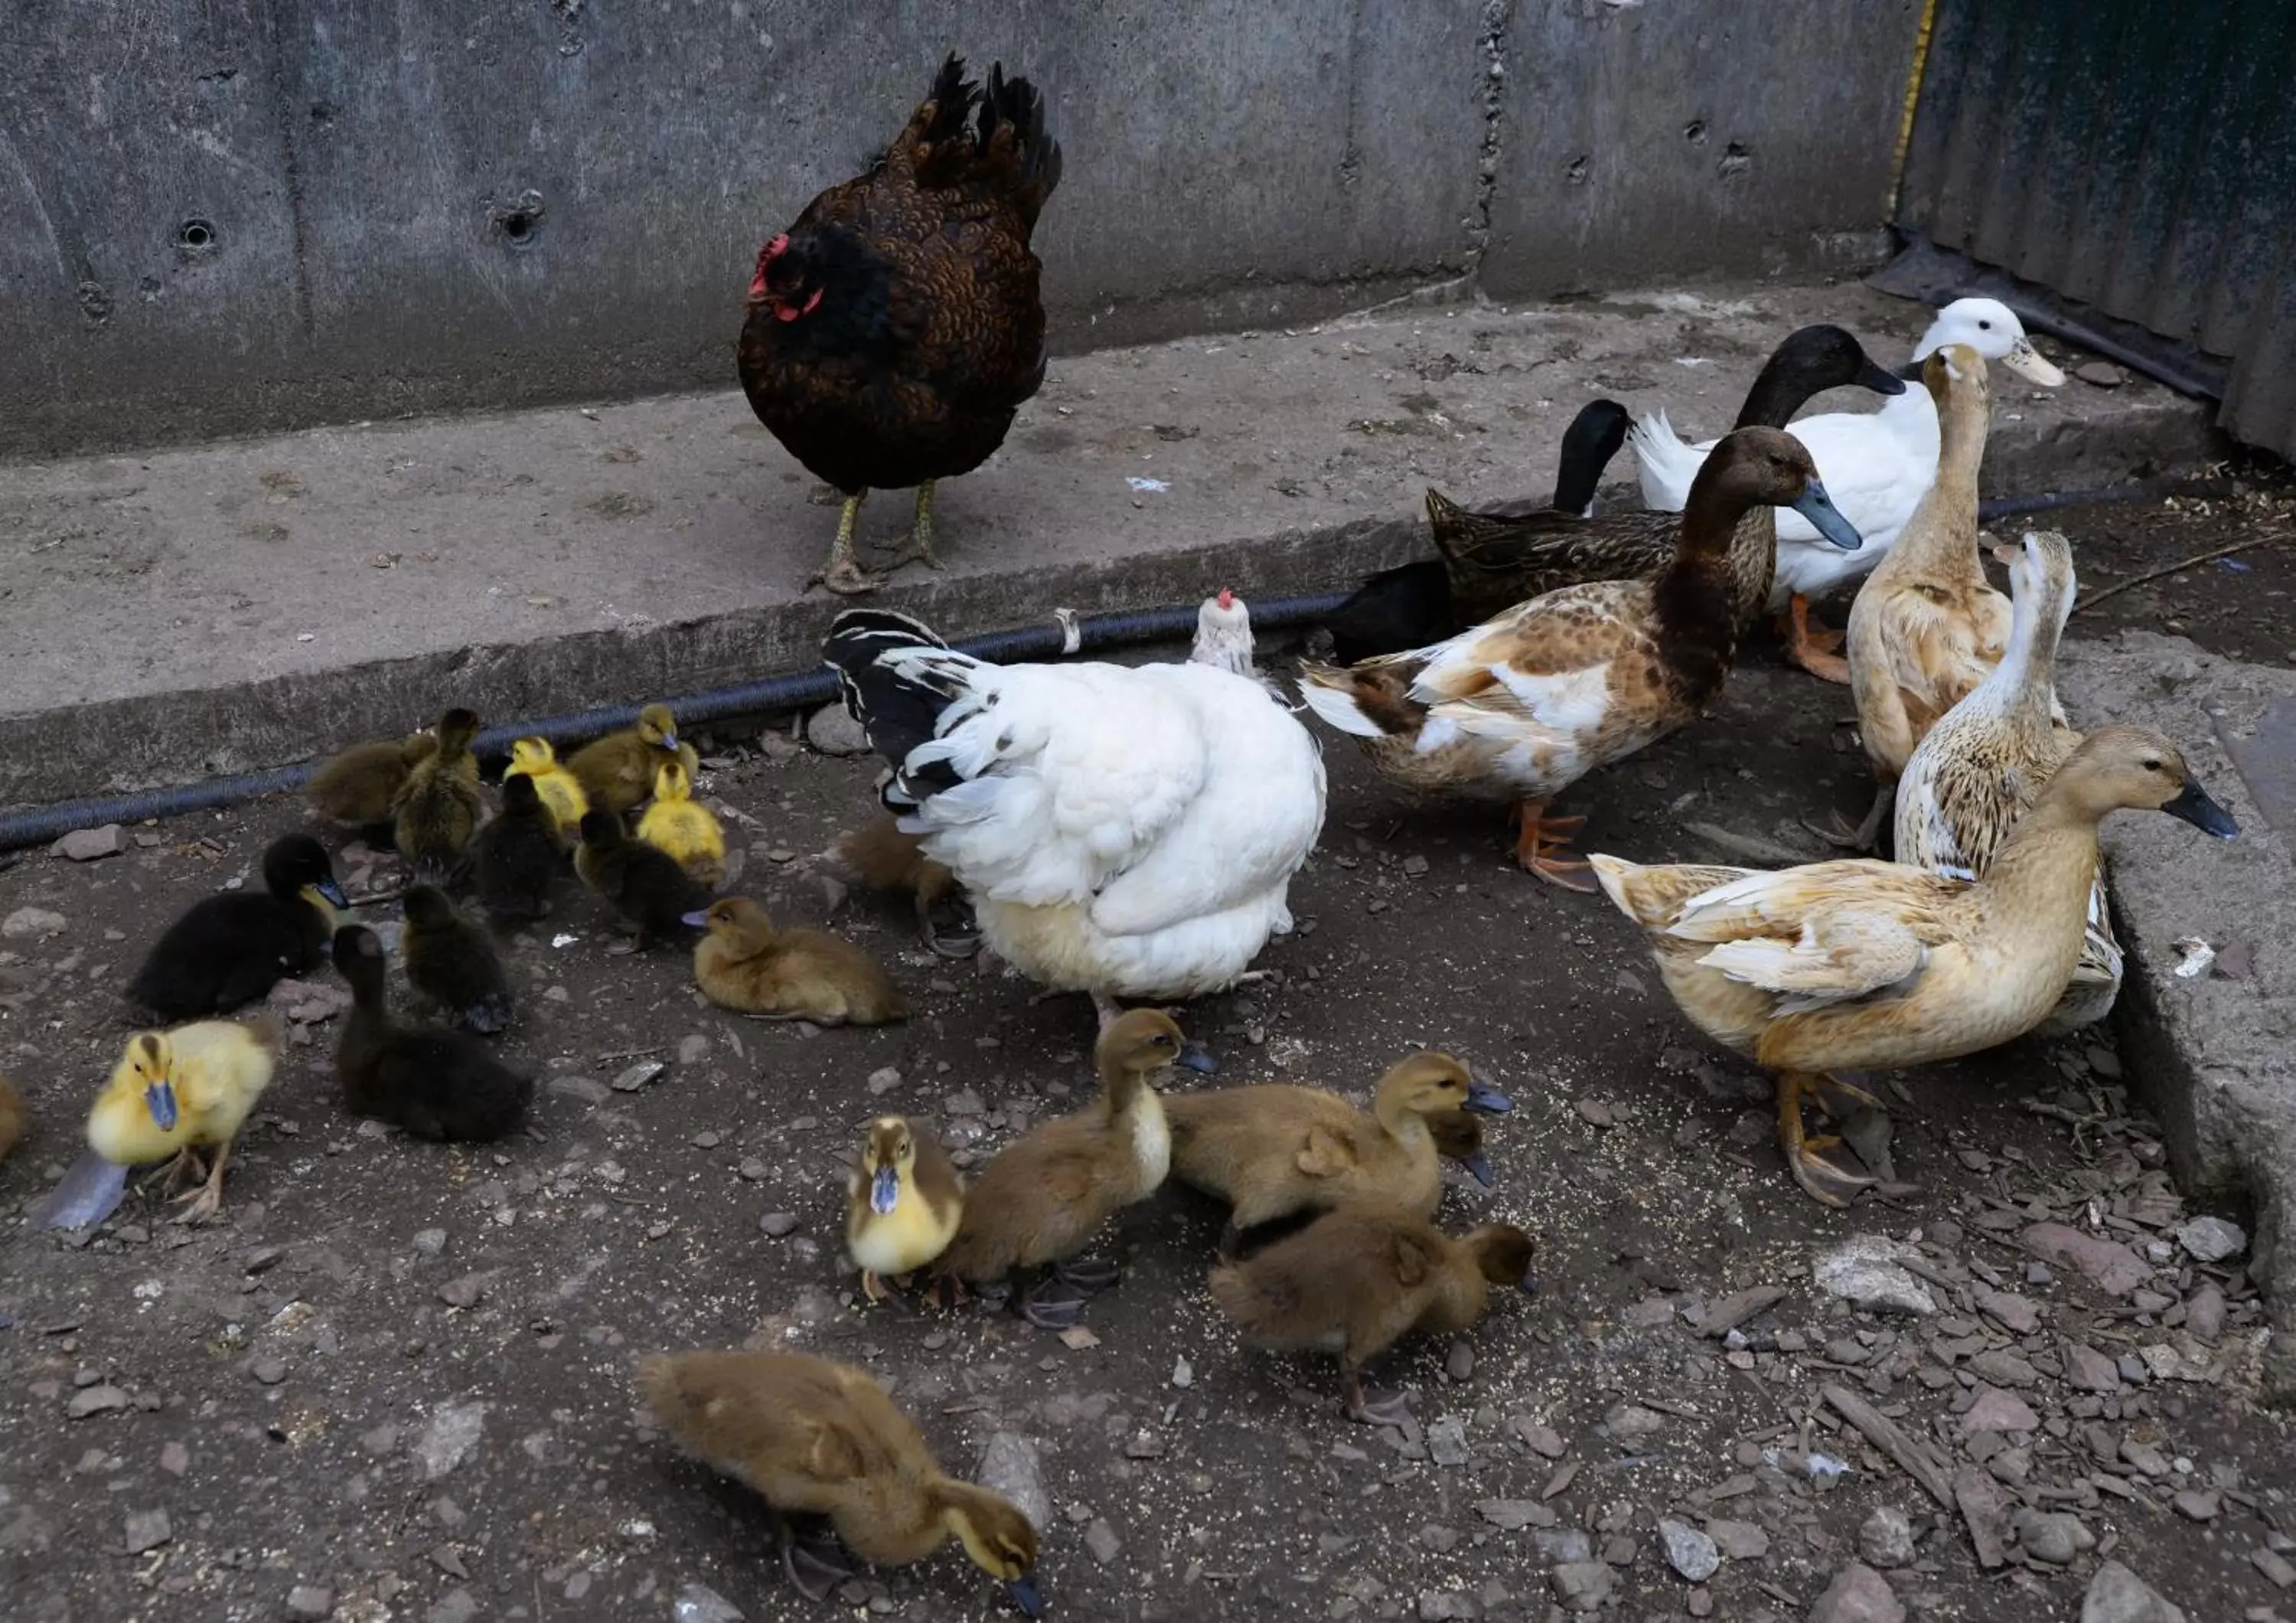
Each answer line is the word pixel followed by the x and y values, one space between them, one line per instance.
pixel 2139 156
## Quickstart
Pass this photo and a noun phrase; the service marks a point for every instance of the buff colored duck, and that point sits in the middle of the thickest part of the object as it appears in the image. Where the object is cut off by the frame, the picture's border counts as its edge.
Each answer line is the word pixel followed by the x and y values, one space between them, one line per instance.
pixel 902 1203
pixel 617 771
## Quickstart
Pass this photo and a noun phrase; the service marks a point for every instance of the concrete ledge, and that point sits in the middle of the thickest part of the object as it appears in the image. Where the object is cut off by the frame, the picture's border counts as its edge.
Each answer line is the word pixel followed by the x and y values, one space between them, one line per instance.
pixel 179 614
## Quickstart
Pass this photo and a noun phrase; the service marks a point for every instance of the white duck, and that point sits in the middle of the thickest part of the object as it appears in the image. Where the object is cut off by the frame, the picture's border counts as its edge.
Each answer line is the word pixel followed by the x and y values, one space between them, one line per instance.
pixel 1122 831
pixel 1877 466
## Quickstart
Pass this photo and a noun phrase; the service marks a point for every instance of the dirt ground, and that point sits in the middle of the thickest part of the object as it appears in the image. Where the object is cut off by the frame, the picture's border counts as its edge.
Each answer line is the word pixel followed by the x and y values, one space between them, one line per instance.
pixel 393 1382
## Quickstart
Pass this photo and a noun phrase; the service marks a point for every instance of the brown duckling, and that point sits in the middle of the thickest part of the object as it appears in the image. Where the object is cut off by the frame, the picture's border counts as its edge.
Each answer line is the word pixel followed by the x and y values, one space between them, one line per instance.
pixel 230 950
pixel 617 770
pixel 358 785
pixel 516 856
pixel 450 961
pixel 744 963
pixel 440 806
pixel 646 886
pixel 1357 1280
pixel 1044 1196
pixel 810 1436
pixel 12 1118
pixel 434 1083
pixel 879 856
pixel 1458 1136
pixel 1273 1150
pixel 901 1204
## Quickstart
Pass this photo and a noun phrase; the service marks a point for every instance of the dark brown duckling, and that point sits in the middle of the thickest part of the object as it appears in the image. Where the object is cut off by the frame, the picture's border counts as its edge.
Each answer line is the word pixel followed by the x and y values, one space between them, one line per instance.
pixel 435 1083
pixel 438 808
pixel 516 856
pixel 450 961
pixel 617 770
pixel 358 785
pixel 1458 1136
pixel 230 950
pixel 744 963
pixel 1357 1281
pixel 646 886
pixel 880 857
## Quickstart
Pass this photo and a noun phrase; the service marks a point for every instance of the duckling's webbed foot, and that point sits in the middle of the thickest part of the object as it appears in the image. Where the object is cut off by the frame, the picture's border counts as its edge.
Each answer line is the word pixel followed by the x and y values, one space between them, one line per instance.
pixel 207 1200
pixel 1374 1408
pixel 813 1559
pixel 1538 836
pixel 1094 1274
pixel 1822 1179
pixel 960 937
pixel 1058 1303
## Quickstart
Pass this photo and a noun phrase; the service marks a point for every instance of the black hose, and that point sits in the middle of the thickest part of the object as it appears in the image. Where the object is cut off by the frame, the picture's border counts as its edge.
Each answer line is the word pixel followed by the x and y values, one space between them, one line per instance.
pixel 40 824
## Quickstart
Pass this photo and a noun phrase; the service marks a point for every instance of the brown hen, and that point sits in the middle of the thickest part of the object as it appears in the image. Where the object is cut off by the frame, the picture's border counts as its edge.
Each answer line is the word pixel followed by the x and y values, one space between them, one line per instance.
pixel 895 328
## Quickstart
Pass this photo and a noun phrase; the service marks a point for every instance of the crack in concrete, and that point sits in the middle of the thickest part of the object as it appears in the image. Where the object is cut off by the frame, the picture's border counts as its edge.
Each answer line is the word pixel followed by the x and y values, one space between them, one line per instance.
pixel 1498 18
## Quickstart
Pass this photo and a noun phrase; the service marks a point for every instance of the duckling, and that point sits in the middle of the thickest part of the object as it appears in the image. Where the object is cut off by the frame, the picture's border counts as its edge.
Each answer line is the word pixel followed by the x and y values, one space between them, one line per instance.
pixel 646 886
pixel 12 1118
pixel 1272 1149
pixel 1458 1136
pixel 1857 965
pixel 561 791
pixel 358 785
pixel 1044 1195
pixel 440 805
pixel 901 1204
pixel 230 950
pixel 434 1083
pixel 676 824
pixel 617 770
pixel 809 1435
pixel 744 963
pixel 172 1093
pixel 450 961
pixel 880 857
pixel 1355 1280
pixel 516 856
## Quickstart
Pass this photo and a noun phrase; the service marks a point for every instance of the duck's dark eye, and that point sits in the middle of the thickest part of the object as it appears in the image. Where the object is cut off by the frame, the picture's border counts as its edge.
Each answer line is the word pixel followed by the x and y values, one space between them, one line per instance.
pixel 1985 327
pixel 2152 766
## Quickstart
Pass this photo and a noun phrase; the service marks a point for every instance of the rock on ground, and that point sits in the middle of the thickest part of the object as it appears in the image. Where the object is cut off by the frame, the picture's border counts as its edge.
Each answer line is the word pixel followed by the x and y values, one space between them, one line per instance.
pixel 1857 1595
pixel 1868 1271
pixel 1886 1540
pixel 2118 1595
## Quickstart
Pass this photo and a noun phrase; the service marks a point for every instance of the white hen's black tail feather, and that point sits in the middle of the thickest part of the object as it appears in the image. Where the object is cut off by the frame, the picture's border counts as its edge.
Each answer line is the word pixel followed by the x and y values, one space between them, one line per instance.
pixel 898 710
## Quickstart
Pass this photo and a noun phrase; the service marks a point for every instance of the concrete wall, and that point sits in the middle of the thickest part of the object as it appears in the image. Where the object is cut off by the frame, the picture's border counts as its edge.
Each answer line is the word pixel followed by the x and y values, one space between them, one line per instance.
pixel 224 215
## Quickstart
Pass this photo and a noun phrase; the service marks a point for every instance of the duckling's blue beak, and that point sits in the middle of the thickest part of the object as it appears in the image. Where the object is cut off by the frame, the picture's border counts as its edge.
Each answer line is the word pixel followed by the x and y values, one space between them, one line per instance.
pixel 1023 1591
pixel 2195 806
pixel 1489 1099
pixel 1815 506
pixel 884 1190
pixel 1530 1281
pixel 331 893
pixel 159 1100
pixel 695 921
pixel 1480 1166
pixel 669 742
pixel 1197 1058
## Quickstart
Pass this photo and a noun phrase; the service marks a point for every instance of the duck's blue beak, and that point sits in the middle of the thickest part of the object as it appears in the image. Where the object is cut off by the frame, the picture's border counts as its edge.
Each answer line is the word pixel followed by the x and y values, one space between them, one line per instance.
pixel 1489 1099
pixel 695 921
pixel 1197 1058
pixel 884 1190
pixel 159 1100
pixel 331 892
pixel 1023 1591
pixel 2195 806
pixel 1815 506
pixel 1480 1166
pixel 669 742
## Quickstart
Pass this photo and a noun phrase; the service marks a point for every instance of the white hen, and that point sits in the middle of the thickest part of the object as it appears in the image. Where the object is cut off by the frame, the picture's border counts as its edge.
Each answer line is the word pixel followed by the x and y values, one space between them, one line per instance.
pixel 1122 831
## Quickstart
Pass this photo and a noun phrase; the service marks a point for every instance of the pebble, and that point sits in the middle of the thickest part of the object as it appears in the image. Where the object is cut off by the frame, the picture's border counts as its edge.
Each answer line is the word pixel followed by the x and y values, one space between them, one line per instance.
pixel 2144 1457
pixel 1886 1538
pixel 268 1370
pixel 1868 1271
pixel 637 1075
pixel 467 1291
pixel 1435 1606
pixel 2204 1313
pixel 2004 1368
pixel 2014 1313
pixel 2118 1595
pixel 2108 1265
pixel 2212 1240
pixel 91 845
pixel 1629 1423
pixel 1446 1441
pixel 27 922
pixel 449 1440
pixel 1100 1539
pixel 2086 1370
pixel 2100 373
pixel 1995 1409
pixel 583 1088
pixel 310 1601
pixel 1581 1585
pixel 1459 1362
pixel 2194 1505
pixel 1542 1440
pixel 1513 1515
pixel 778 1225
pixel 175 1459
pixel 1689 1551
pixel 2052 1535
pixel 693 1050
pixel 833 731
pixel 699 1603
pixel 97 1400
pixel 884 1080
pixel 457 1605
pixel 2274 1567
pixel 147 1530
pixel 1182 1375
pixel 1857 1595
pixel 430 1242
pixel 1011 1464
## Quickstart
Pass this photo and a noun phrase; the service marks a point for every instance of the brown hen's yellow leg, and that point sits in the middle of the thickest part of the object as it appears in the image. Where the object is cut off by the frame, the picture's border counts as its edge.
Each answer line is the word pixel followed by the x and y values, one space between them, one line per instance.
pixel 207 1200
pixel 843 573
pixel 1537 836
pixel 1814 652
pixel 1820 1179
pixel 920 549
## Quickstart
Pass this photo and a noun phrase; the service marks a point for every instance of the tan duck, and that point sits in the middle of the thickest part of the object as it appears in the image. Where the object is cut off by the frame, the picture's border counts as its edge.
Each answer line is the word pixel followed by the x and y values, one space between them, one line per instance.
pixel 439 807
pixel 810 1436
pixel 1043 1197
pixel 1526 704
pixel 1927 627
pixel 617 771
pixel 560 792
pixel 1272 1149
pixel 744 963
pixel 358 785
pixel 1981 767
pixel 1858 965
pixel 1357 1281
pixel 902 1203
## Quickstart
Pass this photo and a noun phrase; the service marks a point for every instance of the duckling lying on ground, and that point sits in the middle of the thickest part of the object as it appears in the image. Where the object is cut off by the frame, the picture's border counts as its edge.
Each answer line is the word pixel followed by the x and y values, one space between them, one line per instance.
pixel 438 808
pixel 902 1203
pixel 1043 1197
pixel 880 857
pixel 744 963
pixel 813 1435
pixel 1355 1280
pixel 230 950
pixel 450 961
pixel 516 856
pixel 172 1093
pixel 1273 1150
pixel 358 785
pixel 617 770
pixel 560 791
pixel 646 886
pixel 434 1083
pixel 686 831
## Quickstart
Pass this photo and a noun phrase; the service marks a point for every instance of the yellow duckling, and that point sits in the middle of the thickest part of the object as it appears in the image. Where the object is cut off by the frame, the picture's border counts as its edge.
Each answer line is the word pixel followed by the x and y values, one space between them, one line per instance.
pixel 1864 965
pixel 560 790
pixel 617 770
pixel 745 962
pixel 902 1203
pixel 685 830
pixel 809 1435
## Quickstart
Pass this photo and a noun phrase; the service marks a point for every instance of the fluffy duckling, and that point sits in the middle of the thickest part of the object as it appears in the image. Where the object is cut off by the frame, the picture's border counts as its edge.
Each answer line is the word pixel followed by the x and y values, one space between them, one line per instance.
pixel 1858 965
pixel 646 886
pixel 516 856
pixel 1927 628
pixel 434 1083
pixel 1458 1136
pixel 810 1436
pixel 678 825
pixel 744 963
pixel 617 770
pixel 1357 1281
pixel 358 785
pixel 12 1118
pixel 560 790
pixel 440 805
pixel 172 1093
pixel 901 1204
pixel 880 856
pixel 1043 1197
pixel 231 949
pixel 1273 1150
pixel 450 961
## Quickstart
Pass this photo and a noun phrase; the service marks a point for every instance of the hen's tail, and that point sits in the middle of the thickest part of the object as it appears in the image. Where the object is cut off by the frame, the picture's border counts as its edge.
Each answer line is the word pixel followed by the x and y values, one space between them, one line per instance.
pixel 1004 147
pixel 1013 139
pixel 898 703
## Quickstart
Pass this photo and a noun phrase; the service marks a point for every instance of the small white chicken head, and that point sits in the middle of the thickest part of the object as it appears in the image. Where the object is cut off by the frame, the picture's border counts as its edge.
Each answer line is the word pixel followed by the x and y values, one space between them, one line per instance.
pixel 1223 634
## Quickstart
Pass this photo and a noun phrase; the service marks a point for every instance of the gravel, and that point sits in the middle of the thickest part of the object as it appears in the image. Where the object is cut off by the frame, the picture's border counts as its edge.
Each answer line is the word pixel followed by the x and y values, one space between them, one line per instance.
pixel 1868 1271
